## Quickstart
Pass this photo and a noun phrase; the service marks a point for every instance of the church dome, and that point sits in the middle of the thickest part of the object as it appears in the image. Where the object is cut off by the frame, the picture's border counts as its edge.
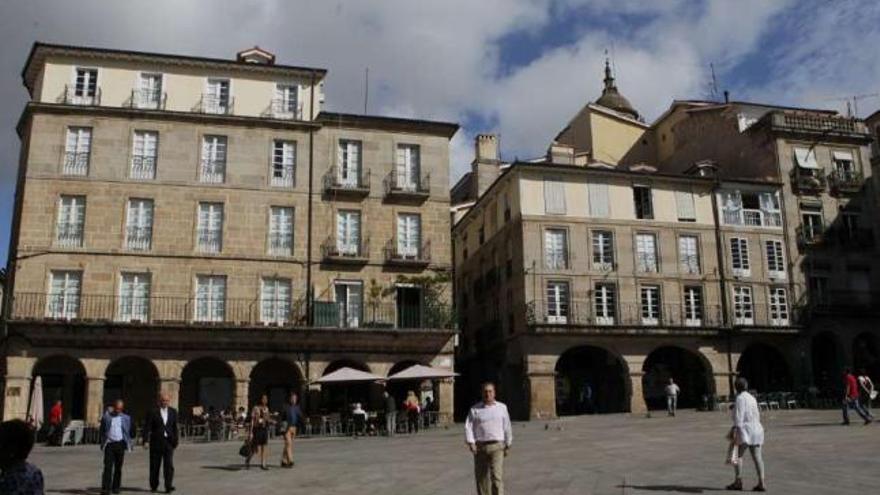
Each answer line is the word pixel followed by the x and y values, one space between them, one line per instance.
pixel 612 99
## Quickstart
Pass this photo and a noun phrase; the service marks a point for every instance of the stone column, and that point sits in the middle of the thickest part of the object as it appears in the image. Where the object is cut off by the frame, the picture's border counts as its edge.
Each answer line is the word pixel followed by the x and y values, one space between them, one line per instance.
pixel 94 399
pixel 171 386
pixel 16 396
pixel 446 398
pixel 542 395
pixel 637 399
pixel 722 383
pixel 241 393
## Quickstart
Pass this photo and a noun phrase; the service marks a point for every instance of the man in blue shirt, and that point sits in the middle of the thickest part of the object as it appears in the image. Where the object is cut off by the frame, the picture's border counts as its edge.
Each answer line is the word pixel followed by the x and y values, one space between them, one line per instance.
pixel 293 416
pixel 115 440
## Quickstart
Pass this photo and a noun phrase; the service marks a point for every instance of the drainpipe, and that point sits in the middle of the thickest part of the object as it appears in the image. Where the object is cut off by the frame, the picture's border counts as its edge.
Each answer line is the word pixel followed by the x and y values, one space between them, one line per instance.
pixel 722 283
pixel 310 314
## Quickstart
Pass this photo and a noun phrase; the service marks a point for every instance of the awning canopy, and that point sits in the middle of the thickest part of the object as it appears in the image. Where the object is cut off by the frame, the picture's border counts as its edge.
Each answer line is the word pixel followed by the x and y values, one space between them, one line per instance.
pixel 842 155
pixel 348 375
pixel 806 157
pixel 421 372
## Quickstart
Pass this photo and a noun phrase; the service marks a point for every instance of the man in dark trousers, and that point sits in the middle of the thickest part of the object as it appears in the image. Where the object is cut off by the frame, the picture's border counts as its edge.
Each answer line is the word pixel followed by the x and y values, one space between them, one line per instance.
pixel 161 434
pixel 115 440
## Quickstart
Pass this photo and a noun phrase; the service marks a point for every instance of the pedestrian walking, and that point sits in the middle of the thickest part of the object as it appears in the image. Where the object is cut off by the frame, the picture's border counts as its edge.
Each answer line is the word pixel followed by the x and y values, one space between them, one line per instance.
pixel 851 398
pixel 259 436
pixel 56 424
pixel 748 434
pixel 390 414
pixel 115 441
pixel 489 436
pixel 161 436
pixel 672 392
pixel 866 387
pixel 411 404
pixel 294 416
pixel 17 476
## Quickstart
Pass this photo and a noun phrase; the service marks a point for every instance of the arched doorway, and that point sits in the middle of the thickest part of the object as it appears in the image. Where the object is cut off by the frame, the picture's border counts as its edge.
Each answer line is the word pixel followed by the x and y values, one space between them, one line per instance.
pixel 765 368
pixel 825 354
pixel 685 367
pixel 277 378
pixel 590 380
pixel 64 379
pixel 866 355
pixel 136 381
pixel 338 398
pixel 400 389
pixel 207 382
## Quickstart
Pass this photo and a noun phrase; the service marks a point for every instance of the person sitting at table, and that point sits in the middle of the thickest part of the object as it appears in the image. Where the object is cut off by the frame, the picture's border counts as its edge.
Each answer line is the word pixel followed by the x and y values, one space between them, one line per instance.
pixel 359 416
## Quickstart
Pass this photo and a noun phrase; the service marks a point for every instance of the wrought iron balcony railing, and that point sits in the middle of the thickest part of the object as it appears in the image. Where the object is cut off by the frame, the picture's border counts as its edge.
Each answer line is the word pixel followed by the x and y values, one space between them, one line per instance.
pixel 398 185
pixel 209 241
pixel 69 235
pixel 384 315
pixel 147 99
pixel 846 181
pixel 281 108
pixel 356 251
pixel 407 255
pixel 138 238
pixel 80 96
pixel 210 103
pixel 808 183
pixel 809 236
pixel 143 167
pixel 355 182
pixel 76 163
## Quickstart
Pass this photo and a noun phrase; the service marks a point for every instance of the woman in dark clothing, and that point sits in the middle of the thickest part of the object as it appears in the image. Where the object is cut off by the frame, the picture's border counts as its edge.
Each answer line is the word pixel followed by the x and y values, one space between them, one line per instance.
pixel 260 420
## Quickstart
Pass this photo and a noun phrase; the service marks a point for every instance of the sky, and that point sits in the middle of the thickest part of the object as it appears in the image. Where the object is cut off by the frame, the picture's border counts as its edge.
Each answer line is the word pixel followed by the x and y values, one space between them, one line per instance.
pixel 518 68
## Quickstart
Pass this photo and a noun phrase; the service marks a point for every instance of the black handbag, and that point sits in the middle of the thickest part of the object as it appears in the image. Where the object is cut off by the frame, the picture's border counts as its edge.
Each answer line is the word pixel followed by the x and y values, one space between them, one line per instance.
pixel 245 450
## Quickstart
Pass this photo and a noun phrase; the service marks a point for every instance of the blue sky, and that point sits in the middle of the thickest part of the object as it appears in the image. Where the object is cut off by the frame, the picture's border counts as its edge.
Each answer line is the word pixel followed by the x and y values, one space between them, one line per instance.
pixel 520 68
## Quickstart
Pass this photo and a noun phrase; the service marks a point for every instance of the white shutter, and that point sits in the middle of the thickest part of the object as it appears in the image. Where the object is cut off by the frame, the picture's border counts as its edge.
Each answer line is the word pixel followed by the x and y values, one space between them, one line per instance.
pixel 806 157
pixel 684 200
pixel 598 200
pixel 554 196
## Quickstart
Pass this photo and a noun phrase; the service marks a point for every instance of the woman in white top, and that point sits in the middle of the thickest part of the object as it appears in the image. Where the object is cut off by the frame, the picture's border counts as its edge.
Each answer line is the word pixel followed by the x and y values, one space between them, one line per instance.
pixel 749 433
pixel 867 389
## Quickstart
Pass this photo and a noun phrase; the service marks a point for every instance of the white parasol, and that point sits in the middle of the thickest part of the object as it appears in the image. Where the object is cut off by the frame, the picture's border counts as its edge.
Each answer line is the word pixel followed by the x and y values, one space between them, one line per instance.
pixel 35 410
pixel 421 372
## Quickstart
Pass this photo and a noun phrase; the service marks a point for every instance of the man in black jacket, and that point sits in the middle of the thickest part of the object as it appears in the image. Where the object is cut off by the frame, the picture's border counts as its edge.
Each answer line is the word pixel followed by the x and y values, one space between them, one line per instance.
pixel 161 434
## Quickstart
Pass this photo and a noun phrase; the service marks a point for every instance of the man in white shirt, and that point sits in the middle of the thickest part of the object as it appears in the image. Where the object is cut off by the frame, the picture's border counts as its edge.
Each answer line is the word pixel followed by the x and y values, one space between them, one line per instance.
pixel 488 435
pixel 672 392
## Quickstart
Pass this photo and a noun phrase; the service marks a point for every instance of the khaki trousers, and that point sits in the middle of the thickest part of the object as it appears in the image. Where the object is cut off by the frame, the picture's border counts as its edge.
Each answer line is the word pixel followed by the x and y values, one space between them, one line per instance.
pixel 489 468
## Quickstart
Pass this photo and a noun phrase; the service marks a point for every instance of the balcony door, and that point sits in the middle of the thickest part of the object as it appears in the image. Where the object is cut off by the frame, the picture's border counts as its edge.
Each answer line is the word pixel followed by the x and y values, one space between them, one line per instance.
pixel 409 307
pixel 407 167
pixel 349 301
pixel 348 232
pixel 348 171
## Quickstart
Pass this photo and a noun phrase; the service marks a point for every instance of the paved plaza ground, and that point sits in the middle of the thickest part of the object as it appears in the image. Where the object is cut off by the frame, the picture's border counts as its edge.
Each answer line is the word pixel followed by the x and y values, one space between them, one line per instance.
pixel 807 452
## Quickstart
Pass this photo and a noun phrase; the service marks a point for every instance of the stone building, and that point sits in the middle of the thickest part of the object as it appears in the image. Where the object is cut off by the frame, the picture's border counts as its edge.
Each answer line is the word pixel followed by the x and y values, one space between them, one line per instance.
pixel 205 227
pixel 636 252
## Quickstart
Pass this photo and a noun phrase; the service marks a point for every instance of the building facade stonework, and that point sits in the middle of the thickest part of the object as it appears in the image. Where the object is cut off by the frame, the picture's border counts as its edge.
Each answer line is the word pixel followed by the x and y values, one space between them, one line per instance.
pixel 205 227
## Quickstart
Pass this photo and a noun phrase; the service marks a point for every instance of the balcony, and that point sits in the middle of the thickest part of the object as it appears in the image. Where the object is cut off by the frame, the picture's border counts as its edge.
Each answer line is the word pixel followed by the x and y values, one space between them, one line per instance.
pixel 846 181
pixel 805 183
pixel 214 104
pixel 76 163
pixel 817 124
pixel 147 100
pixel 399 187
pixel 356 184
pixel 582 313
pixel 809 237
pixel 79 96
pixel 138 238
pixel 417 257
pixel 69 235
pixel 284 109
pixel 384 315
pixel 759 218
pixel 345 253
pixel 143 167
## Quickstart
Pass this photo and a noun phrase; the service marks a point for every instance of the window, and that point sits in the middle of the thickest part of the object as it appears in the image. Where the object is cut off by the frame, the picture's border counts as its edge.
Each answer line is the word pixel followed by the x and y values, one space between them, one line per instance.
pixel 693 306
pixel 775 259
pixel 348 172
pixel 812 224
pixel 149 92
pixel 556 249
pixel 689 254
pixel 817 288
pixel 210 298
pixel 684 202
pixel 143 156
pixel 71 221
pixel 349 302
pixel 286 105
pixel 210 227
pixel 408 168
pixel 743 312
pixel 281 231
pixel 348 232
pixel 216 99
pixel 603 250
pixel 805 160
pixel 134 297
pixel 778 306
pixel 844 165
pixel 739 257
pixel 275 300
pixel 646 253
pixel 85 88
pixel 213 169
pixel 77 151
pixel 644 202
pixel 598 200
pixel 604 308
pixel 139 225
pixel 756 209
pixel 283 163
pixel 850 224
pixel 64 294
pixel 650 304
pixel 409 227
pixel 557 302
pixel 554 196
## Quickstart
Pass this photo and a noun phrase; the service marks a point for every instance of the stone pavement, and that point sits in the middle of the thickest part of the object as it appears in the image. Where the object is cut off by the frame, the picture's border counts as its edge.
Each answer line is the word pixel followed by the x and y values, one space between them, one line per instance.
pixel 808 452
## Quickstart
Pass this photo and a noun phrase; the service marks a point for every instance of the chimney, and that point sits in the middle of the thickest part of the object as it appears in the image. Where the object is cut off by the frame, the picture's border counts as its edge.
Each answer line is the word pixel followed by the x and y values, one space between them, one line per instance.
pixel 255 55
pixel 563 154
pixel 486 166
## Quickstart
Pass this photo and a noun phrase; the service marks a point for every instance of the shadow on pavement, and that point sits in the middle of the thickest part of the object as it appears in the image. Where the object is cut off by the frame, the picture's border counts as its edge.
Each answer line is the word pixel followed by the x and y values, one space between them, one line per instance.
pixel 673 488
pixel 94 490
pixel 230 467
